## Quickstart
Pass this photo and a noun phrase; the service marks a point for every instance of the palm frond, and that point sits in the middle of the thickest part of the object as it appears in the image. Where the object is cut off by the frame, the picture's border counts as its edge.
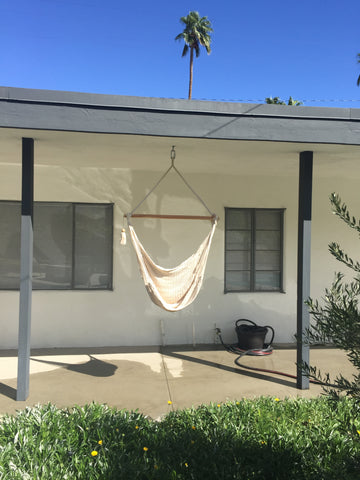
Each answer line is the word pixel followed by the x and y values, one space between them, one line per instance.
pixel 196 32
pixel 185 50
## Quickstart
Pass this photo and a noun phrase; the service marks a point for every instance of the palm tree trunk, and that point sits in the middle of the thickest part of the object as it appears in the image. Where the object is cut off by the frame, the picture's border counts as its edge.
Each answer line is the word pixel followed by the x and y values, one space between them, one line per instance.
pixel 191 71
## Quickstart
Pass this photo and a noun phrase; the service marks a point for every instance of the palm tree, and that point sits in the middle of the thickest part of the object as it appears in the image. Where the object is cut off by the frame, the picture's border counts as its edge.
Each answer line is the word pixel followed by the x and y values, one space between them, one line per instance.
pixel 195 34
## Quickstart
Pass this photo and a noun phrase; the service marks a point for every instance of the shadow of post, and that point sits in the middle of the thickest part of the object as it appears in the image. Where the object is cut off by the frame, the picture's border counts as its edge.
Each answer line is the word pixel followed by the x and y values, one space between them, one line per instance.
pixel 268 378
pixel 7 391
pixel 93 367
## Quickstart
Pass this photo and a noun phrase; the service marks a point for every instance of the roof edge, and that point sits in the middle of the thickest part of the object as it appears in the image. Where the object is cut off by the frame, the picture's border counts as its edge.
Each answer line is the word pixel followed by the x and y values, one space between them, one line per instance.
pixel 106 101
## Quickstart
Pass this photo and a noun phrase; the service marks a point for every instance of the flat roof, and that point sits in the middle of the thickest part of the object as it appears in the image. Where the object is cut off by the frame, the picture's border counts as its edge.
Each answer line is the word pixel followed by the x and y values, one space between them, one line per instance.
pixel 116 114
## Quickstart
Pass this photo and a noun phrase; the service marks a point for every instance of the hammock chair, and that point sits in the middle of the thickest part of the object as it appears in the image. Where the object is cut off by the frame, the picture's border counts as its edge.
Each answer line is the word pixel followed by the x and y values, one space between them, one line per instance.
pixel 172 288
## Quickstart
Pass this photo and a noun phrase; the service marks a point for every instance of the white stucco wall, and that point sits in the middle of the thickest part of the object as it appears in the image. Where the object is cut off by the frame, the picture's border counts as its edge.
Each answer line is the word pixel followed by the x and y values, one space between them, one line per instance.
pixel 126 316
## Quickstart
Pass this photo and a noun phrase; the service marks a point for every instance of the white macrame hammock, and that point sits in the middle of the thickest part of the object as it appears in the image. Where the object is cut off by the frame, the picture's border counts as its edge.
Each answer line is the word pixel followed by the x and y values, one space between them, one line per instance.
pixel 173 288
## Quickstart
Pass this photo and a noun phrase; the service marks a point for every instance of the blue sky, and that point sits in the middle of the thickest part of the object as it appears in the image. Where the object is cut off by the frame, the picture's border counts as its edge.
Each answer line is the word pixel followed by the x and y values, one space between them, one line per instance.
pixel 260 48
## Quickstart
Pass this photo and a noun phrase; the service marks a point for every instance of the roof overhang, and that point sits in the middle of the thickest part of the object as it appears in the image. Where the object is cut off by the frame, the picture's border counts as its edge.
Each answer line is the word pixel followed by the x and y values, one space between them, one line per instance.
pixel 96 113
pixel 80 129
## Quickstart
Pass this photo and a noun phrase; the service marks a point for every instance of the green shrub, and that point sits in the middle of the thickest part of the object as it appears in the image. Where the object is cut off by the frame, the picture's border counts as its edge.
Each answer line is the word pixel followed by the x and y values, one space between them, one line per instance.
pixel 336 319
pixel 251 439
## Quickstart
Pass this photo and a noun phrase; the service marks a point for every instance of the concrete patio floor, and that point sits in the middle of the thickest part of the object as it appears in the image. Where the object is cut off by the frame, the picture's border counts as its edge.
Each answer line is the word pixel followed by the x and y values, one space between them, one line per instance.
pixel 145 379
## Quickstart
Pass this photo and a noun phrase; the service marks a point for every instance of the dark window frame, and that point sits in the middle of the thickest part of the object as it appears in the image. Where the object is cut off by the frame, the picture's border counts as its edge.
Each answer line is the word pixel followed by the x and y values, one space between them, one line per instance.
pixel 252 269
pixel 73 205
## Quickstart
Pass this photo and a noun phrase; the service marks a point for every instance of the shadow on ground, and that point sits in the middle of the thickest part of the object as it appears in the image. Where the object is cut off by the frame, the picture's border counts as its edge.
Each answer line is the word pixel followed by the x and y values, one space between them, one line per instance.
pixel 93 367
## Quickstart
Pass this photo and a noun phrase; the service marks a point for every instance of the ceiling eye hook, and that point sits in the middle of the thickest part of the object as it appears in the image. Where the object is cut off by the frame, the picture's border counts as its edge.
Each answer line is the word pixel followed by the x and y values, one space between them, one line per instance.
pixel 172 155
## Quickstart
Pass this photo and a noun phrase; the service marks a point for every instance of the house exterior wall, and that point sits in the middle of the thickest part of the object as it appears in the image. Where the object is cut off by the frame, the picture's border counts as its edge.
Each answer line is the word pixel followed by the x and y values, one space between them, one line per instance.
pixel 126 316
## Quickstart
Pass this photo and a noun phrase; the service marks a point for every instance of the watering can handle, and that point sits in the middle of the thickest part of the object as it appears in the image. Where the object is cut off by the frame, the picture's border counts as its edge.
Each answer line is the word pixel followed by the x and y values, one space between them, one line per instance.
pixel 273 333
pixel 244 320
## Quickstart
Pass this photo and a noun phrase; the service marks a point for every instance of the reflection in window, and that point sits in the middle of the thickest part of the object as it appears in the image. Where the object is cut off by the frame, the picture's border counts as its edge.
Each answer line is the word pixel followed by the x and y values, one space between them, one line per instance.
pixel 253 249
pixel 72 245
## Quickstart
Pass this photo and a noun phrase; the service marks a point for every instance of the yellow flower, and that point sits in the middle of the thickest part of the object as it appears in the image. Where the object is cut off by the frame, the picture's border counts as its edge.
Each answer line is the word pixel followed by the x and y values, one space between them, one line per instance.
pixel 169 402
pixel 137 427
pixel 186 465
pixel 100 442
pixel 277 399
pixel 218 405
pixel 145 449
pixel 237 403
pixel 94 453
pixel 358 431
pixel 117 429
pixel 194 428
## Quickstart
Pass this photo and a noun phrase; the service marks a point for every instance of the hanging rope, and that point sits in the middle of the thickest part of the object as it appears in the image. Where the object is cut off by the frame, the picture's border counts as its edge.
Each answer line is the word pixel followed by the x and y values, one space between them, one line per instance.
pixel 172 167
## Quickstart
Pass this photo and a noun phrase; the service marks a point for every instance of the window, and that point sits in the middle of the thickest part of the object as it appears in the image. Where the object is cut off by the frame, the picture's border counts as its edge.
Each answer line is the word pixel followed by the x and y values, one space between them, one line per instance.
pixel 72 245
pixel 253 249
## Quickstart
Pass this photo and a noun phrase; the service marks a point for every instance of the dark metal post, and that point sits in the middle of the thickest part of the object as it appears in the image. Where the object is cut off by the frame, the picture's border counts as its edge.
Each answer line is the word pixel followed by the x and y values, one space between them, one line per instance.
pixel 304 256
pixel 26 259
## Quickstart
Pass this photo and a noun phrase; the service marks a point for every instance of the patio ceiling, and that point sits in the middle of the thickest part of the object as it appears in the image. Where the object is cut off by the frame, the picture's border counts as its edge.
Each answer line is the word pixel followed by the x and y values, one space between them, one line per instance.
pixel 193 155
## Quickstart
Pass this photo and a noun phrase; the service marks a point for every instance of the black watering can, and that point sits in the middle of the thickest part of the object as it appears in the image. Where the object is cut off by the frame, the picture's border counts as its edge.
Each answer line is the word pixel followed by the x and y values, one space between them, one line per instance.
pixel 252 337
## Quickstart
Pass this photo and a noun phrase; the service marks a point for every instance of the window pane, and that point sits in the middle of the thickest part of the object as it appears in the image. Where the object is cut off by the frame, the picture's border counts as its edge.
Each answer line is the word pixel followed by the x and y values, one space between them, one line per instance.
pixel 10 221
pixel 52 246
pixel 238 240
pixel 93 246
pixel 237 260
pixel 267 260
pixel 237 281
pixel 248 229
pixel 268 220
pixel 267 240
pixel 267 281
pixel 238 219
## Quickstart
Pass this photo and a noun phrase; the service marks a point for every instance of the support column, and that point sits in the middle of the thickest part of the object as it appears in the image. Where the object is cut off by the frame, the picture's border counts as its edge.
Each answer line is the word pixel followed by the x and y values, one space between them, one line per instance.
pixel 26 261
pixel 304 254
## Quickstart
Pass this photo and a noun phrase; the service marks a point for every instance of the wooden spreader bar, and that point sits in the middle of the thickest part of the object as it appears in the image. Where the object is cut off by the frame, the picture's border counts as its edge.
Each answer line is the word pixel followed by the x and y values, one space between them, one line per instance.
pixel 173 217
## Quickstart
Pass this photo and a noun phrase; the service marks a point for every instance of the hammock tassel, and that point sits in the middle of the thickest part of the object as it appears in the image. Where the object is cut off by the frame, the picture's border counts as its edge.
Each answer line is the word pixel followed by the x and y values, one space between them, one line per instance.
pixel 123 237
